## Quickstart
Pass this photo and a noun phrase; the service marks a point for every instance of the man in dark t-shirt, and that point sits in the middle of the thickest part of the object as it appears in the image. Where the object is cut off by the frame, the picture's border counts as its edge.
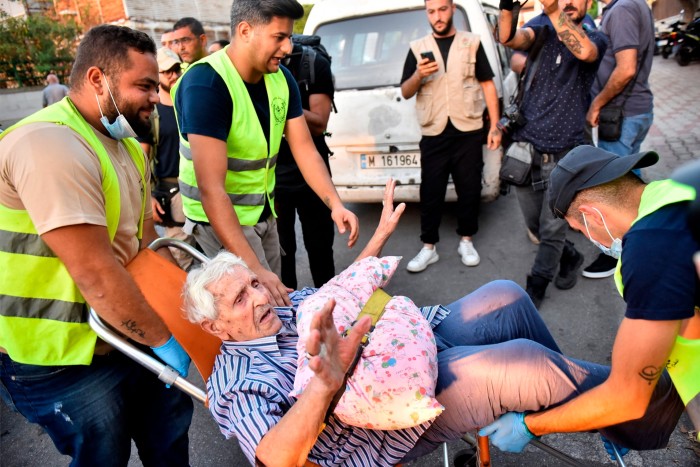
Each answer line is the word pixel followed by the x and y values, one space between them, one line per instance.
pixel 294 196
pixel 554 107
pixel 228 167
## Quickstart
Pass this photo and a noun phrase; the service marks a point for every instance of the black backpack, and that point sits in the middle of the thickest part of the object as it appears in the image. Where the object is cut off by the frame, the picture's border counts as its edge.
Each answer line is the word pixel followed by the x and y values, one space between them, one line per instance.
pixel 309 47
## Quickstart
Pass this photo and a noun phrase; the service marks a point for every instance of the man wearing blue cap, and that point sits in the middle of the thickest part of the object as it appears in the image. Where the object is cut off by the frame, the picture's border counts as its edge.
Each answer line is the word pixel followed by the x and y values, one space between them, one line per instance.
pixel 646 227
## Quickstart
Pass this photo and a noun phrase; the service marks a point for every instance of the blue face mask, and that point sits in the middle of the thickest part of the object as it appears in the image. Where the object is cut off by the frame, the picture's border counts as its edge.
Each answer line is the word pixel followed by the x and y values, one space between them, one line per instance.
pixel 615 249
pixel 120 128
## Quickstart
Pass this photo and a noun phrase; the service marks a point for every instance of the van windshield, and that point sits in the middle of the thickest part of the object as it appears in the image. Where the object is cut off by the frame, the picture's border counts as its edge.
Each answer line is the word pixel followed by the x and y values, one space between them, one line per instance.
pixel 370 51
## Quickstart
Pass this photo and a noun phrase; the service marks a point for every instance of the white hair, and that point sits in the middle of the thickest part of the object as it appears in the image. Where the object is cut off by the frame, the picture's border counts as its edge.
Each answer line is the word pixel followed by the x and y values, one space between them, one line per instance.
pixel 198 301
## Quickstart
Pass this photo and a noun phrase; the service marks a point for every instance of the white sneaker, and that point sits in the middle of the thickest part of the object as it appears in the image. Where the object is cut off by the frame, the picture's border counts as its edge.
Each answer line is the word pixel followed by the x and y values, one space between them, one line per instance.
pixel 423 259
pixel 469 255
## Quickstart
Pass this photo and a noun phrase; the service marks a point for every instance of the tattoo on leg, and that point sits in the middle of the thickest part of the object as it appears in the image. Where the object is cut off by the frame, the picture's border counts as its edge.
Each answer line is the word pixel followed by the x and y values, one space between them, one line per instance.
pixel 651 373
pixel 133 328
pixel 571 42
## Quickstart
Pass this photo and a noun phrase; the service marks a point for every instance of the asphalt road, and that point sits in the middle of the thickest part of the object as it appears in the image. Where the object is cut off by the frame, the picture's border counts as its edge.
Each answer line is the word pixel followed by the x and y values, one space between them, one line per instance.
pixel 583 319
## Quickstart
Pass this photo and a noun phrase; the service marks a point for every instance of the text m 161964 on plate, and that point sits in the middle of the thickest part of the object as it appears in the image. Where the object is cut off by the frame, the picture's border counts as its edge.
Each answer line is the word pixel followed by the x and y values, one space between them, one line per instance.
pixel 383 161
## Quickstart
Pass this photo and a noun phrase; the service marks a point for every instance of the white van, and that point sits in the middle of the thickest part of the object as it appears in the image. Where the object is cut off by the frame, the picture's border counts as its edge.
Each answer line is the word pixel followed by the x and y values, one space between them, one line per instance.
pixel 375 133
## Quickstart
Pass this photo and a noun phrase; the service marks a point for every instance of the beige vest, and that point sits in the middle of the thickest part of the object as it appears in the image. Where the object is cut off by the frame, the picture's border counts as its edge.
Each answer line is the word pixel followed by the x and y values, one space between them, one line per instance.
pixel 457 94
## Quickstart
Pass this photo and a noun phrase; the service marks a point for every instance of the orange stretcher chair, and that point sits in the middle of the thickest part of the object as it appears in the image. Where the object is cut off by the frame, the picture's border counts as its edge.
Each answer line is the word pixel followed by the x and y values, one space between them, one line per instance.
pixel 161 283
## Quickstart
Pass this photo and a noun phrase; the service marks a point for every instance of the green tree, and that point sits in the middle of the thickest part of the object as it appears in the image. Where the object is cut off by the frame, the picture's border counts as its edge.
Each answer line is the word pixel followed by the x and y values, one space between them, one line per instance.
pixel 593 10
pixel 33 46
pixel 299 24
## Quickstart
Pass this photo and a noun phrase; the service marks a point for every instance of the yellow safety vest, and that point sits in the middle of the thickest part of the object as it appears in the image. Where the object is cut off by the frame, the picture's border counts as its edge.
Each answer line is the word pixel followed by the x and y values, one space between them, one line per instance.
pixel 684 361
pixel 250 179
pixel 43 315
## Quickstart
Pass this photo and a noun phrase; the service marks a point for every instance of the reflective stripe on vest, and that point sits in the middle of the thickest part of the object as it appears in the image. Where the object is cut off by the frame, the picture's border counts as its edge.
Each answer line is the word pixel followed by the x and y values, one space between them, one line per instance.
pixel 250 176
pixel 684 361
pixel 43 315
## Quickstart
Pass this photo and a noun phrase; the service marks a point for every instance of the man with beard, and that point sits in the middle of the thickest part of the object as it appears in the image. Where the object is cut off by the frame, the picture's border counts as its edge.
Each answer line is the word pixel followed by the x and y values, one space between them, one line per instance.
pixel 161 145
pixel 73 212
pixel 554 104
pixel 232 110
pixel 452 134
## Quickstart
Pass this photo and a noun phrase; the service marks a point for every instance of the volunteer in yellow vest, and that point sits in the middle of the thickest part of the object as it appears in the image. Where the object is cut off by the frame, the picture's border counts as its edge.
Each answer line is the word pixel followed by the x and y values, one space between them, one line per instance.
pixel 452 80
pixel 232 108
pixel 646 227
pixel 73 212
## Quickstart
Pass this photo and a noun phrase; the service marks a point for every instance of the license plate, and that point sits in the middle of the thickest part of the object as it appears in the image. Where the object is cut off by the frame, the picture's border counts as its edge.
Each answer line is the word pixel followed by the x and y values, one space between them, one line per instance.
pixel 384 161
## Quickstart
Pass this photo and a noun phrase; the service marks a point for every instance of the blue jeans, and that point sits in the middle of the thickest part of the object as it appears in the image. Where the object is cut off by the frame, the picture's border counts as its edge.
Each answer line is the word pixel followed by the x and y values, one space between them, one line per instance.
pixel 539 220
pixel 495 355
pixel 634 130
pixel 92 412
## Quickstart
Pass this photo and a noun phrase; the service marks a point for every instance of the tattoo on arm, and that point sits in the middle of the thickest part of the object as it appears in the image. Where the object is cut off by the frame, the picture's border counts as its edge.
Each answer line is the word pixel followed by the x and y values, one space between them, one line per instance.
pixel 327 201
pixel 131 326
pixel 651 373
pixel 571 42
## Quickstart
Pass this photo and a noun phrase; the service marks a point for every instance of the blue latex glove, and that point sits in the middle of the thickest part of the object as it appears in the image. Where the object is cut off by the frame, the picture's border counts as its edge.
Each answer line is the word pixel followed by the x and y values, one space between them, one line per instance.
pixel 174 355
pixel 608 447
pixel 509 433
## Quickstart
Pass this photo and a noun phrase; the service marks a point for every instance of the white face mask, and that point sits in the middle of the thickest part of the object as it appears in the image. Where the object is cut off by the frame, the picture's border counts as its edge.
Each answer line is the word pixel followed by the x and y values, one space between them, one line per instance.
pixel 615 249
pixel 120 128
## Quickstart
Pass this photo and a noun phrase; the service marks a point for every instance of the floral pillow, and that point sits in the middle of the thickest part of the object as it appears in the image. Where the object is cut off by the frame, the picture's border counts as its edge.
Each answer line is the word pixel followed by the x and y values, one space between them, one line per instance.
pixel 393 386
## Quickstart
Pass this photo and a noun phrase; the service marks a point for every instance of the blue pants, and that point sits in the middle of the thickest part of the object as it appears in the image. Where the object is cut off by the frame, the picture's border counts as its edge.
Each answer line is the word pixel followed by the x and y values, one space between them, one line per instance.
pixel 634 130
pixel 460 155
pixel 495 355
pixel 539 220
pixel 93 412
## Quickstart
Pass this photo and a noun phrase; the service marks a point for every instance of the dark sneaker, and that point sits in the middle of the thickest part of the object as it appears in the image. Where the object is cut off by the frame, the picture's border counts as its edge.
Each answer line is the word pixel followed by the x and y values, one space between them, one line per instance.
pixel 569 264
pixel 535 288
pixel 603 266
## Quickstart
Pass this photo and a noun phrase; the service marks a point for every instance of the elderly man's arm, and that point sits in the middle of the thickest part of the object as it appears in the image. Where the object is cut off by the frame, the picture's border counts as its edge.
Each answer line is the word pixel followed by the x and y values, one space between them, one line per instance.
pixel 289 442
pixel 387 223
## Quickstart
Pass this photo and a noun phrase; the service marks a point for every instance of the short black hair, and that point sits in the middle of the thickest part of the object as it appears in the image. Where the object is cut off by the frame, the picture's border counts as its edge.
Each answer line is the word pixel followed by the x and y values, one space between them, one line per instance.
pixel 261 12
pixel 192 23
pixel 107 47
pixel 222 42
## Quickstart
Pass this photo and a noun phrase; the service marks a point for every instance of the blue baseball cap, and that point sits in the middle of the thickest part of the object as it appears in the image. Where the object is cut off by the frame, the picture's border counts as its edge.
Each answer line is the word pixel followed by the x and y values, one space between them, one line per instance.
pixel 587 166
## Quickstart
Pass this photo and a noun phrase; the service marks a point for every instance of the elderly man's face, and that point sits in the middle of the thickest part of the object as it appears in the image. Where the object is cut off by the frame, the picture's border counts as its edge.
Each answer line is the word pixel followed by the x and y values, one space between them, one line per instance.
pixel 244 308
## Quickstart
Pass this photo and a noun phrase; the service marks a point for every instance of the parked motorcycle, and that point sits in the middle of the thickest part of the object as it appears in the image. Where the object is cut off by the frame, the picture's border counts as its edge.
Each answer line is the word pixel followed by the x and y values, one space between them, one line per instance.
pixel 672 38
pixel 689 47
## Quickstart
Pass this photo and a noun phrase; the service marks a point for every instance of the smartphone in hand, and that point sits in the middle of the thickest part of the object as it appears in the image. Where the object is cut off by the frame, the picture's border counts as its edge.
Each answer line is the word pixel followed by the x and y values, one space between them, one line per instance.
pixel 429 55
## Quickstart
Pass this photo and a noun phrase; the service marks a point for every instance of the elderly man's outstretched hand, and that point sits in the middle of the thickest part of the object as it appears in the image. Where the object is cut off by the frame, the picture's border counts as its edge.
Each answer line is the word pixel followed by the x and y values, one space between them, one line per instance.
pixel 330 354
pixel 509 433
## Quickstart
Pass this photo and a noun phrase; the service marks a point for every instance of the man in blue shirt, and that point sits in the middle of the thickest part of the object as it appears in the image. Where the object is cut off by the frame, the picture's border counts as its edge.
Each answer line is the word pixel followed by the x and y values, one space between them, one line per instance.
pixel 494 355
pixel 646 227
pixel 233 181
pixel 554 107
